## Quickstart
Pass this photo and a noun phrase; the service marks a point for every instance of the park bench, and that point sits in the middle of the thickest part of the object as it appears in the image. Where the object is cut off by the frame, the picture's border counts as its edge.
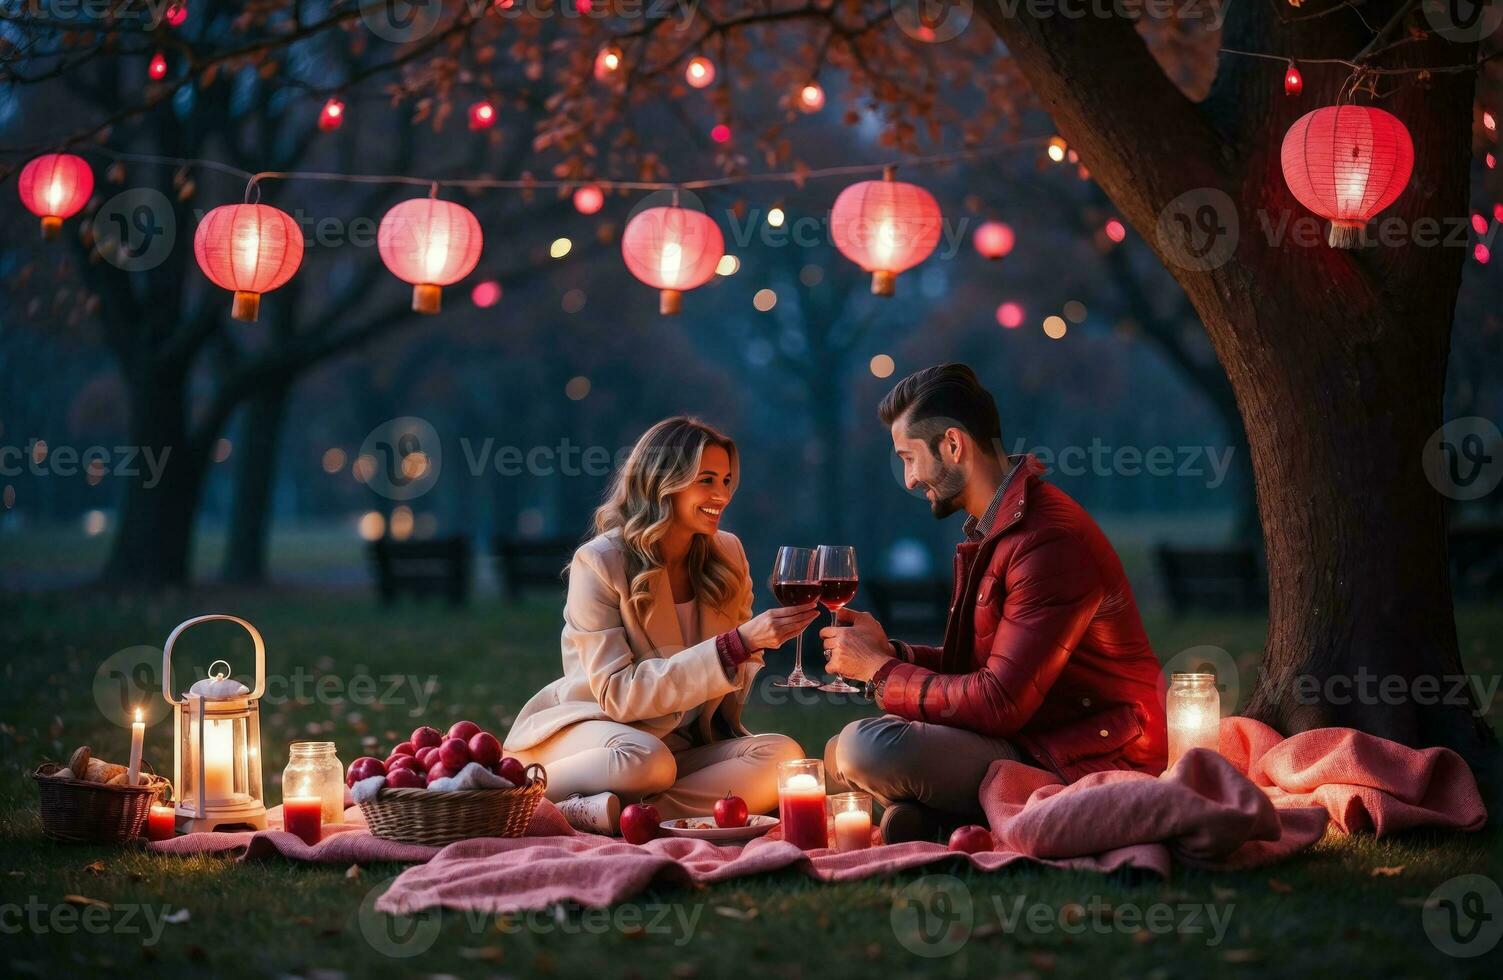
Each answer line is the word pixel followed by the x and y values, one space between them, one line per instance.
pixel 440 567
pixel 531 563
pixel 1223 580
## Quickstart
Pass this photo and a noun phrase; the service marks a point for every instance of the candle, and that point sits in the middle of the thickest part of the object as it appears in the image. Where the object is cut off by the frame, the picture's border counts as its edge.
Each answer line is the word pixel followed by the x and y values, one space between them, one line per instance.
pixel 161 822
pixel 1194 710
pixel 801 810
pixel 853 821
pixel 303 816
pixel 137 735
pixel 219 760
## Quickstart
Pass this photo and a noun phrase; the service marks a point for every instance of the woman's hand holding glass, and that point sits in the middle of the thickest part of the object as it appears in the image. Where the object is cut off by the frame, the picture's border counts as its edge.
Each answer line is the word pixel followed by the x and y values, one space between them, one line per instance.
pixel 771 629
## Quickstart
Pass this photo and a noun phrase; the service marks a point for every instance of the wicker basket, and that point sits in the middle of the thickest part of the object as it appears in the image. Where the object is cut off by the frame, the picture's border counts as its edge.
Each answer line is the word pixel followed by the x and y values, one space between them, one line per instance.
pixel 418 816
pixel 81 812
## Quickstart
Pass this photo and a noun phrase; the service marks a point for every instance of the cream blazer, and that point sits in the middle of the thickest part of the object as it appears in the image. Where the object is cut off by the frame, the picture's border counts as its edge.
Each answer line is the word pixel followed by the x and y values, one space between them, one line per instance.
pixel 641 672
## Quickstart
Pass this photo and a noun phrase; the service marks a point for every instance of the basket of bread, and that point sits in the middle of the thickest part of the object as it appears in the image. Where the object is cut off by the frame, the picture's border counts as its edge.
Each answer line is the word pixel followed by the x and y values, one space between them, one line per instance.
pixel 89 801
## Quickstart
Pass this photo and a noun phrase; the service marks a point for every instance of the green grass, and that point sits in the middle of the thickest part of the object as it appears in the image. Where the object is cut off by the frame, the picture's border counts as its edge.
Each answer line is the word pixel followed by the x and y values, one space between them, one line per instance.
pixel 1324 911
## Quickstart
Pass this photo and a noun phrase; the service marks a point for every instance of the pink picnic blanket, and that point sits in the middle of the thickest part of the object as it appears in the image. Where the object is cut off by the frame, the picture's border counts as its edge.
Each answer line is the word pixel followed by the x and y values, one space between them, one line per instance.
pixel 1262 799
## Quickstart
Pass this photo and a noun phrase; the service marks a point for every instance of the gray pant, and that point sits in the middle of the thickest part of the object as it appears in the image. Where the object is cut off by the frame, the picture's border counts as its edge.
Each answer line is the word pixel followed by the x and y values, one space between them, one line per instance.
pixel 898 761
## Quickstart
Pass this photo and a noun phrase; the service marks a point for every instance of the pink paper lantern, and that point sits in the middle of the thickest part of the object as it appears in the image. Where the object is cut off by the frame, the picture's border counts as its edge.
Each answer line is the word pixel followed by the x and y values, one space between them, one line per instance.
pixel 885 226
pixel 250 249
pixel 431 244
pixel 1346 163
pixel 672 249
pixel 55 186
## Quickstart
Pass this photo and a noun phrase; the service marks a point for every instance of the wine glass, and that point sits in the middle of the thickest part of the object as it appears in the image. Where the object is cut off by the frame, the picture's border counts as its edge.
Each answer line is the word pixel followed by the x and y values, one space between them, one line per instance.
pixel 835 566
pixel 794 583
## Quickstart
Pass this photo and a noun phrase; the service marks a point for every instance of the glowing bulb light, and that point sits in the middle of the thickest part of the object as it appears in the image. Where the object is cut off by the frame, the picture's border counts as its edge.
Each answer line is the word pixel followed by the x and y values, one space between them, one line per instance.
pixel 431 244
pixel 1346 163
pixel 55 186
pixel 176 13
pixel 607 62
pixel 993 239
pixel 811 98
pixel 1294 82
pixel 885 226
pixel 589 199
pixel 672 249
pixel 700 72
pixel 331 116
pixel 250 249
pixel 157 69
pixel 482 115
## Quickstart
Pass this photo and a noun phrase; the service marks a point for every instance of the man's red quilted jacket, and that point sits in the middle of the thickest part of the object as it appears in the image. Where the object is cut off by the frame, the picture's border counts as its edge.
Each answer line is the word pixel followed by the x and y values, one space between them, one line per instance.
pixel 1043 645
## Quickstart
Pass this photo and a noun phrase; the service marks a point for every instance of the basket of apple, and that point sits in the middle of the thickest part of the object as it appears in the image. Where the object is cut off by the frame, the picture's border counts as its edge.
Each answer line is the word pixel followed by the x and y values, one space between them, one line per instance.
pixel 410 809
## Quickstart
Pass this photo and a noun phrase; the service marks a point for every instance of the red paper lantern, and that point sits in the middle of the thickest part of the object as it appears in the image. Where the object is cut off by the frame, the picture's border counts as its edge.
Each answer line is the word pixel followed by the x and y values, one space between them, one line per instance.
pixel 885 226
pixel 249 248
pixel 431 244
pixel 993 239
pixel 1347 163
pixel 672 249
pixel 55 186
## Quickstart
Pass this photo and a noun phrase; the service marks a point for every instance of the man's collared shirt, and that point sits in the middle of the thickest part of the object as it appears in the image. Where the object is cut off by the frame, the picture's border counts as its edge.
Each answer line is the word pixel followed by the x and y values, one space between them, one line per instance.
pixel 975 529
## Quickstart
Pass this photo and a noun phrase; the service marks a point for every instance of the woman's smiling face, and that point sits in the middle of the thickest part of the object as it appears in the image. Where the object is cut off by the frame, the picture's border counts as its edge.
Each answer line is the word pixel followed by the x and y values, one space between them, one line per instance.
pixel 699 505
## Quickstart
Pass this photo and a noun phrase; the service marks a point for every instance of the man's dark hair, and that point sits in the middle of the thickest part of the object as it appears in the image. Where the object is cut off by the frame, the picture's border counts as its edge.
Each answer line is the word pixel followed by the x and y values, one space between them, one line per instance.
pixel 936 398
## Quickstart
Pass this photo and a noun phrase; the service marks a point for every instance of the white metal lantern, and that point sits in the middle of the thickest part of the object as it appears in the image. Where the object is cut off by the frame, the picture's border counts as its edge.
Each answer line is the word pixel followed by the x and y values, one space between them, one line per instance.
pixel 217 733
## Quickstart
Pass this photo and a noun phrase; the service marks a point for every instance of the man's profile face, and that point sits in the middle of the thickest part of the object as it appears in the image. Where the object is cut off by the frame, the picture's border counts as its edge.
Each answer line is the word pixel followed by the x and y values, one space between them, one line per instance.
pixel 941 479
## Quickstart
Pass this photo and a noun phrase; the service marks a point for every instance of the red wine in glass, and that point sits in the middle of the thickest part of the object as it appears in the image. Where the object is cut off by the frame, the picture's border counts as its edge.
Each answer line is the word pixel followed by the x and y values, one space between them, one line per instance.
pixel 836 566
pixel 794 582
pixel 796 593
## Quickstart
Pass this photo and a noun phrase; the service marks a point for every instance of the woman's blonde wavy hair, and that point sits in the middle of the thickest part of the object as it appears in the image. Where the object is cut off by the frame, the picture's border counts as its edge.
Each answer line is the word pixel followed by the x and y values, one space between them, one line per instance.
pixel 664 461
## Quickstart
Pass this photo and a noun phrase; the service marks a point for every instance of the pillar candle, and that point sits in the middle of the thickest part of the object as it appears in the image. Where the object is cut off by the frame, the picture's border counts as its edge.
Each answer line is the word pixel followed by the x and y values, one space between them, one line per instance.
pixel 801 811
pixel 303 816
pixel 853 830
pixel 160 822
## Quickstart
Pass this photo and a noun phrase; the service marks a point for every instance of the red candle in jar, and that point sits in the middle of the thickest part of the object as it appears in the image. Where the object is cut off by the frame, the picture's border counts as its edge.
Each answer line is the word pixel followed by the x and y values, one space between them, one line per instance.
pixel 161 822
pixel 801 811
pixel 303 816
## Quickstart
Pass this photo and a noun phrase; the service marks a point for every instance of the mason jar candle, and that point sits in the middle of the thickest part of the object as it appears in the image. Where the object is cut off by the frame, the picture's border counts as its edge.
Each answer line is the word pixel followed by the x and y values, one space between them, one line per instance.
pixel 801 803
pixel 1194 709
pixel 313 770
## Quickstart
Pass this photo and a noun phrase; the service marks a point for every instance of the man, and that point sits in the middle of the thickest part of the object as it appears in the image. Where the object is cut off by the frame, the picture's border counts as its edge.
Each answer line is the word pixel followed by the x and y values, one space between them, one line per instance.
pixel 1044 661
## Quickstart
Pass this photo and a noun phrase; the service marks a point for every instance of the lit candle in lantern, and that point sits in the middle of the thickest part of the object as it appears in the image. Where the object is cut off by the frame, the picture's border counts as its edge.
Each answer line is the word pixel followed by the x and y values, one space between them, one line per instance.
pixel 137 736
pixel 801 803
pixel 219 759
pixel 853 821
pixel 303 816
pixel 1194 709
pixel 161 822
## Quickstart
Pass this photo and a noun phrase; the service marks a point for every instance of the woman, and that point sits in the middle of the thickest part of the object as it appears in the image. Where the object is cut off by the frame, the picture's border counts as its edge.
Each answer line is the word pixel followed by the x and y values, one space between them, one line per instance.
pixel 660 647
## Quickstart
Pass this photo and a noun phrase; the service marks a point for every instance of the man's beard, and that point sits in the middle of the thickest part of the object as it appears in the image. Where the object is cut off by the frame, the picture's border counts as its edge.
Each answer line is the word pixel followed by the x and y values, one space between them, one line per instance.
pixel 947 490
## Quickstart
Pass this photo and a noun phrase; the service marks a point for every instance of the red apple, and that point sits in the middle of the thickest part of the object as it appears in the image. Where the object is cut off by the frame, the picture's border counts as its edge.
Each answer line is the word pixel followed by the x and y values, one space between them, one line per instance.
pixel 512 770
pixel 454 754
pixel 428 758
pixel 364 768
pixel 438 772
pixel 423 736
pixel 405 779
pixel 401 762
pixel 485 749
pixel 463 729
pixel 639 823
pixel 730 811
pixel 972 838
pixel 404 748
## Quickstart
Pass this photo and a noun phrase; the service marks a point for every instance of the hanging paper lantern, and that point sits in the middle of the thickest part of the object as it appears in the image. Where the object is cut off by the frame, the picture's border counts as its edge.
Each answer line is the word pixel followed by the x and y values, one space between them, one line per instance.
pixel 431 244
pixel 588 199
pixel 1347 163
pixel 157 69
pixel 993 239
pixel 811 98
pixel 177 12
pixel 1294 82
pixel 55 186
pixel 672 249
pixel 331 116
pixel 720 133
pixel 700 71
pixel 1115 230
pixel 885 226
pixel 250 249
pixel 482 115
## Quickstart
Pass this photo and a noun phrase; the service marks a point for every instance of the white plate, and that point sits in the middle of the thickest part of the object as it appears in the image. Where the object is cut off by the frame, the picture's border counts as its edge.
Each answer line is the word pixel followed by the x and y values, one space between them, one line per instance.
pixel 703 828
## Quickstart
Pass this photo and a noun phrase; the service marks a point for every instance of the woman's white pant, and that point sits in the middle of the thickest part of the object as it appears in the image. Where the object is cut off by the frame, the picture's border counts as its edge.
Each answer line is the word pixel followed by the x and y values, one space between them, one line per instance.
pixel 680 779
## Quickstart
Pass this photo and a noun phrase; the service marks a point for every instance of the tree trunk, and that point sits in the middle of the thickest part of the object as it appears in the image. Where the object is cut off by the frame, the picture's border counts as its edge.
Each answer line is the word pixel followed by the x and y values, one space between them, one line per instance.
pixel 255 482
pixel 153 547
pixel 1337 359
